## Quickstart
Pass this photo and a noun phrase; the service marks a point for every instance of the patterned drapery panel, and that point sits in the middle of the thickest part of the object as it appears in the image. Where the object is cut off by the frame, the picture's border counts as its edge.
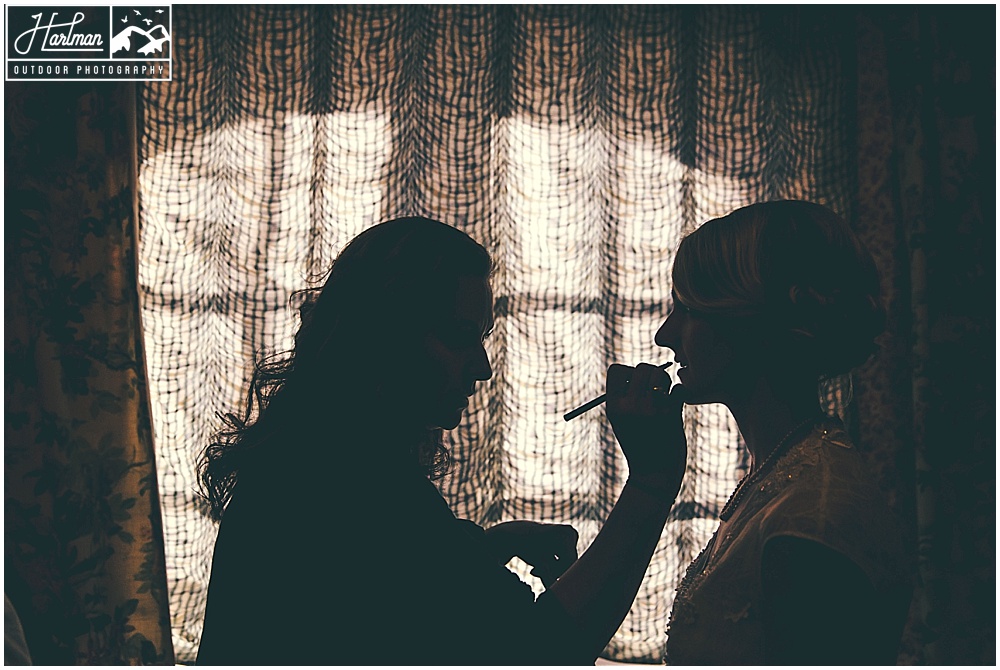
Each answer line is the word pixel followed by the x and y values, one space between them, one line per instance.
pixel 83 543
pixel 926 110
pixel 577 143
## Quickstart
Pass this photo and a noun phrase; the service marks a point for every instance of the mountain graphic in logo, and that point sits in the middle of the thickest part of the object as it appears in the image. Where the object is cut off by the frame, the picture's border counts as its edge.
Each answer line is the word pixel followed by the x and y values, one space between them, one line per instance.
pixel 140 32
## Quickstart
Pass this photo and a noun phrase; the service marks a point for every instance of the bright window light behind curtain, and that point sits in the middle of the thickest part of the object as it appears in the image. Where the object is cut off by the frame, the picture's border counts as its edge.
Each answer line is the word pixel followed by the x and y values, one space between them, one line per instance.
pixel 577 143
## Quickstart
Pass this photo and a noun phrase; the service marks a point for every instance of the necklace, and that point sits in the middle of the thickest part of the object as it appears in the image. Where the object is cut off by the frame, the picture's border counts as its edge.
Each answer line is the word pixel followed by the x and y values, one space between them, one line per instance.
pixel 751 478
pixel 699 565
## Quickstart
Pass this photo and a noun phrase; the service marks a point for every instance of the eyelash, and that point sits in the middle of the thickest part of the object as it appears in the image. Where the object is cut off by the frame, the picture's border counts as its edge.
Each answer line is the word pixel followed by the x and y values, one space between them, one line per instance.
pixel 468 337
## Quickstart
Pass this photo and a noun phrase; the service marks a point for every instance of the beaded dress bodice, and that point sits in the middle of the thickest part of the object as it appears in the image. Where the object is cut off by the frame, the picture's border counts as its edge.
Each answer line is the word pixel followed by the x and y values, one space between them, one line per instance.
pixel 817 489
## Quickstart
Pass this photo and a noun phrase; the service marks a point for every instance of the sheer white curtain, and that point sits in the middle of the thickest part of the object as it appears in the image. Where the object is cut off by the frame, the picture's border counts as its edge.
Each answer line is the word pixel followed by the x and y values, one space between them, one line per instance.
pixel 578 144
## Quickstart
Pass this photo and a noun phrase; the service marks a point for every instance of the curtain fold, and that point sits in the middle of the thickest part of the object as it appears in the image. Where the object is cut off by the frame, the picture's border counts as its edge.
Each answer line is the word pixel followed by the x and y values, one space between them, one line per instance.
pixel 83 542
pixel 578 143
pixel 926 156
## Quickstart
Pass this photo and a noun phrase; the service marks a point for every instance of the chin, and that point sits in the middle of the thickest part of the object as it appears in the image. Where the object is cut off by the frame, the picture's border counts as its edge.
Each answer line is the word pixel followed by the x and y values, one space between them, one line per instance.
pixel 694 397
pixel 701 389
pixel 695 394
pixel 448 420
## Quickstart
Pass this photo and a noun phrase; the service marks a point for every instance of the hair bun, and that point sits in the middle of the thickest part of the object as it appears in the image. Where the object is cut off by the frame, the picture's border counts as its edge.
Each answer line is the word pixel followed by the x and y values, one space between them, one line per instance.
pixel 839 325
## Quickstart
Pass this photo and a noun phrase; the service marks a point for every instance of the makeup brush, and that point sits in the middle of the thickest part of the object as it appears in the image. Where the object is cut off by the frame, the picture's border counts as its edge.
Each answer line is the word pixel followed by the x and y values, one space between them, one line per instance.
pixel 599 400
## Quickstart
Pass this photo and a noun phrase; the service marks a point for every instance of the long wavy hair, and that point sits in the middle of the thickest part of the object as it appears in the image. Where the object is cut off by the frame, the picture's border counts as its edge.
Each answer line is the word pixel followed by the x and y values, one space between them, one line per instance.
pixel 800 267
pixel 383 292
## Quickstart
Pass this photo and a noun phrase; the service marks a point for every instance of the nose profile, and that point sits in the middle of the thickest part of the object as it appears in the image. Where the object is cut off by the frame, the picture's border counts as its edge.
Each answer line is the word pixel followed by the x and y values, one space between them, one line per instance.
pixel 662 338
pixel 483 370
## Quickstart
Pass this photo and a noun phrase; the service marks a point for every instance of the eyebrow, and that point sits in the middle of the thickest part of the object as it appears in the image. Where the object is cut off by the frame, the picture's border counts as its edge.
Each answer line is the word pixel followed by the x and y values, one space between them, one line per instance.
pixel 678 302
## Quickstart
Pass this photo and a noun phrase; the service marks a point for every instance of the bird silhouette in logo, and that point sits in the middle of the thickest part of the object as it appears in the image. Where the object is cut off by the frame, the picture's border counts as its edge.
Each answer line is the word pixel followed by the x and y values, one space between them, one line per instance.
pixel 152 39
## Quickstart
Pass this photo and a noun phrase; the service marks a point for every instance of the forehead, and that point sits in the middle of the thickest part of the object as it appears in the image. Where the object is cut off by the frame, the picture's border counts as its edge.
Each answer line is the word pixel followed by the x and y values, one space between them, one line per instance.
pixel 473 300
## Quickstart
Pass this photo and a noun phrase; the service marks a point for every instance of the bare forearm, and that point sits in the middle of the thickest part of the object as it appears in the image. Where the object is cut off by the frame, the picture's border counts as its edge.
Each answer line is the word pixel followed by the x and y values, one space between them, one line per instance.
pixel 598 590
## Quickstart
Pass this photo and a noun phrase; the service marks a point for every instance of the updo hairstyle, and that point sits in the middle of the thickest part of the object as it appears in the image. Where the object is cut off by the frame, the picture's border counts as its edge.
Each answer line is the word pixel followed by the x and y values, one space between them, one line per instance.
pixel 799 268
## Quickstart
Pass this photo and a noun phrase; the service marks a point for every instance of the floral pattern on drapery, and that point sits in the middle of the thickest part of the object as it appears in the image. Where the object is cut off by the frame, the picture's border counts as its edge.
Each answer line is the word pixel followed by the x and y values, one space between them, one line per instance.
pixel 83 538
pixel 84 562
pixel 926 115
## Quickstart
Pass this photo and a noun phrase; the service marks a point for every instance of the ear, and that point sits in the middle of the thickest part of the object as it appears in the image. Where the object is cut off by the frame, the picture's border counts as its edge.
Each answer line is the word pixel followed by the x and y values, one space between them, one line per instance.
pixel 798 294
pixel 793 294
pixel 806 299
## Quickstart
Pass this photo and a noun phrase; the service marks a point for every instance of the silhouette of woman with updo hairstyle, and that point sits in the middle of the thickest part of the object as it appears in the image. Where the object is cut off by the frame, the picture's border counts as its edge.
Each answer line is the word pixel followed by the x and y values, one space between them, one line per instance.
pixel 335 547
pixel 807 565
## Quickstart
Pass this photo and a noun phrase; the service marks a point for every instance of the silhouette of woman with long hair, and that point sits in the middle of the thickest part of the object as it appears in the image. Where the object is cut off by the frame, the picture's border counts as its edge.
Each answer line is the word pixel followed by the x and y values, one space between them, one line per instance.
pixel 335 547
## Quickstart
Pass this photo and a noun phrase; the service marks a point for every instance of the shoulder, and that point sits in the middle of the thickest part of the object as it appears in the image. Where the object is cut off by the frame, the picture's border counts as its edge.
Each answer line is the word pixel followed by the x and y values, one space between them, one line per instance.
pixel 825 494
pixel 824 478
pixel 814 598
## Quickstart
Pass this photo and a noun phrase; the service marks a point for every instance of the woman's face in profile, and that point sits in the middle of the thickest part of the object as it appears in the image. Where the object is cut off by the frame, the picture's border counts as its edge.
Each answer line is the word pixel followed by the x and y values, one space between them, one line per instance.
pixel 706 351
pixel 453 356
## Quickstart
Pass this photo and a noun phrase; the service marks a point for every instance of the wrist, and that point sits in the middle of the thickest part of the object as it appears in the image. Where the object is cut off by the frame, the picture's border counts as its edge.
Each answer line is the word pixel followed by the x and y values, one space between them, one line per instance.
pixel 657 485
